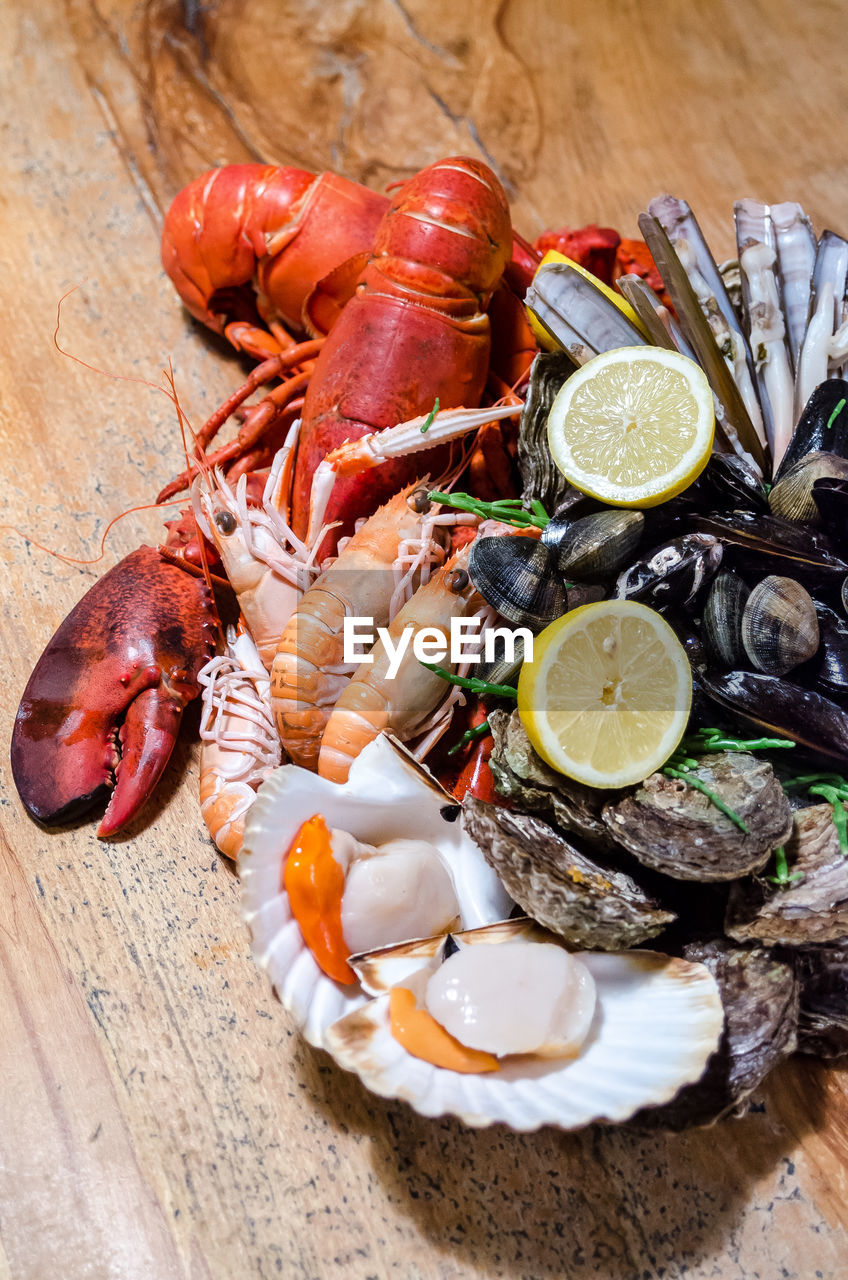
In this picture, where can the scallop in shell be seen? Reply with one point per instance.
(658, 1020)
(387, 796)
(780, 629)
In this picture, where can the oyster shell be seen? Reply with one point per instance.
(660, 1013)
(760, 997)
(387, 795)
(541, 477)
(823, 1019)
(810, 910)
(558, 885)
(676, 829)
(522, 775)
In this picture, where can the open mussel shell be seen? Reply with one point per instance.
(559, 885)
(518, 576)
(780, 629)
(813, 908)
(722, 619)
(387, 796)
(792, 497)
(595, 545)
(658, 1020)
(759, 992)
(782, 709)
(675, 828)
(671, 574)
(823, 425)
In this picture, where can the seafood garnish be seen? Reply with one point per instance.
(387, 796)
(585, 902)
(656, 1012)
(677, 829)
(813, 906)
(760, 998)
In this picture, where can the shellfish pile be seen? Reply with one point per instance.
(733, 858)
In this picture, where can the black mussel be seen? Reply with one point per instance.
(560, 886)
(828, 669)
(843, 594)
(679, 830)
(517, 576)
(541, 477)
(823, 1018)
(792, 497)
(781, 709)
(595, 545)
(813, 907)
(671, 574)
(728, 483)
(780, 629)
(831, 497)
(767, 544)
(722, 619)
(760, 997)
(822, 425)
(522, 776)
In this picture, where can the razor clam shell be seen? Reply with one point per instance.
(541, 478)
(796, 255)
(759, 993)
(685, 235)
(657, 319)
(520, 774)
(780, 629)
(733, 416)
(659, 1019)
(556, 884)
(676, 829)
(830, 279)
(823, 1019)
(778, 707)
(577, 315)
(811, 910)
(387, 795)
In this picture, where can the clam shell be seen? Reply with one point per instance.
(780, 629)
(657, 1022)
(518, 577)
(598, 544)
(387, 795)
(792, 497)
(722, 620)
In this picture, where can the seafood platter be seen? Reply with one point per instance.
(517, 605)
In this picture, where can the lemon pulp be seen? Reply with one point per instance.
(606, 698)
(634, 426)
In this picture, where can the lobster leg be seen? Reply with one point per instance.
(117, 674)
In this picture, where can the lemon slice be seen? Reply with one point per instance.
(607, 695)
(634, 426)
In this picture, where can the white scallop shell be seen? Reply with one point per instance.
(657, 1022)
(387, 795)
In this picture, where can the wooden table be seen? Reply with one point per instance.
(159, 1116)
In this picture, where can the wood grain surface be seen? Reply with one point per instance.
(159, 1117)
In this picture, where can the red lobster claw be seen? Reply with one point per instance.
(131, 649)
